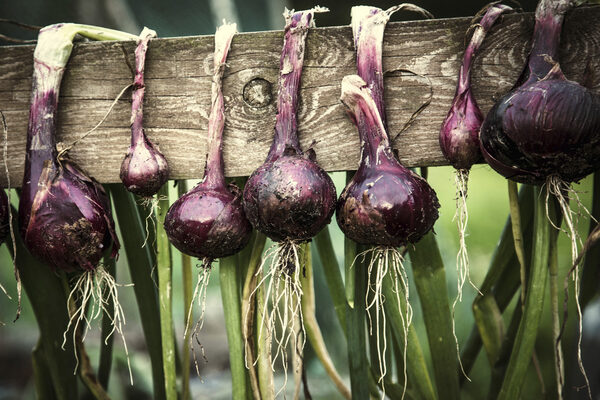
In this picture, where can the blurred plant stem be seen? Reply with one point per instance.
(313, 332)
(229, 272)
(188, 284)
(249, 319)
(107, 338)
(523, 347)
(165, 295)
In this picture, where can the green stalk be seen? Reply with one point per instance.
(249, 333)
(500, 280)
(230, 293)
(356, 279)
(534, 300)
(265, 372)
(44, 389)
(515, 219)
(188, 284)
(430, 278)
(311, 326)
(165, 295)
(141, 264)
(332, 273)
(590, 279)
(106, 341)
(416, 367)
(488, 319)
(559, 372)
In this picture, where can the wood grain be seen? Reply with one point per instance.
(178, 92)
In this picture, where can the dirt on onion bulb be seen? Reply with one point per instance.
(208, 222)
(64, 215)
(384, 205)
(144, 169)
(289, 198)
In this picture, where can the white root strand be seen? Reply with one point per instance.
(95, 289)
(284, 291)
(562, 191)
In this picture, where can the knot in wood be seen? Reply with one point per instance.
(257, 93)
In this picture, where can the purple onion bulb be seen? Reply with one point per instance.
(385, 203)
(547, 126)
(459, 136)
(290, 197)
(64, 216)
(209, 222)
(144, 169)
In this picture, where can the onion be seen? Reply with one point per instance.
(144, 169)
(208, 222)
(459, 141)
(384, 205)
(289, 198)
(65, 216)
(546, 130)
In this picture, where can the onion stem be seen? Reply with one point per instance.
(107, 339)
(559, 371)
(165, 294)
(311, 325)
(534, 300)
(430, 279)
(230, 293)
(186, 267)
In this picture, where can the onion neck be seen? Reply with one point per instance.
(549, 17)
(139, 88)
(374, 143)
(479, 34)
(290, 71)
(368, 26)
(41, 144)
(214, 174)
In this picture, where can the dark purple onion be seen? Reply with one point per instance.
(4, 210)
(290, 197)
(384, 203)
(64, 216)
(209, 222)
(547, 126)
(459, 136)
(144, 169)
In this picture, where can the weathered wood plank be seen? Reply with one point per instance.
(178, 92)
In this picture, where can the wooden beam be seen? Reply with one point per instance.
(178, 92)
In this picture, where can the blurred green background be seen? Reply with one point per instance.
(487, 202)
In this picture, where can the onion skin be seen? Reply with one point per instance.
(144, 169)
(547, 126)
(4, 210)
(64, 216)
(290, 197)
(385, 203)
(209, 222)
